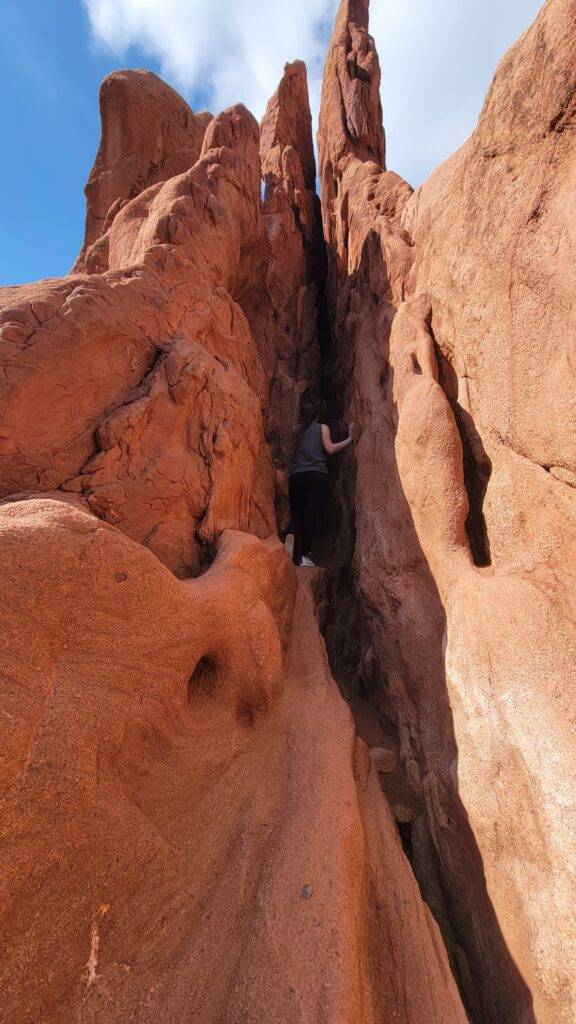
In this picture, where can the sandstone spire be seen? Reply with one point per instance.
(288, 121)
(350, 121)
(287, 325)
(149, 134)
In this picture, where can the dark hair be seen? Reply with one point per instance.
(308, 413)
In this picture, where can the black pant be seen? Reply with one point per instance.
(307, 496)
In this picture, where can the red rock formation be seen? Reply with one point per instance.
(504, 358)
(137, 384)
(288, 123)
(285, 320)
(188, 831)
(149, 134)
(474, 664)
(189, 825)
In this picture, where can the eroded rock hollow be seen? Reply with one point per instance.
(194, 825)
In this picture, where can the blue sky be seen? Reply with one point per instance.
(50, 128)
(437, 57)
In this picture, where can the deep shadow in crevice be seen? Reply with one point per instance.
(204, 679)
(385, 631)
(405, 833)
(477, 465)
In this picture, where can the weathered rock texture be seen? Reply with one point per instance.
(452, 314)
(189, 832)
(288, 336)
(190, 828)
(137, 384)
(149, 134)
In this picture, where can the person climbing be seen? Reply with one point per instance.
(309, 478)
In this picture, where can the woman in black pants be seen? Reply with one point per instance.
(309, 479)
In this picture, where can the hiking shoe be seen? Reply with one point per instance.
(307, 561)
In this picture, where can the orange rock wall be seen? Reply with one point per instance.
(137, 384)
(452, 337)
(189, 825)
(188, 828)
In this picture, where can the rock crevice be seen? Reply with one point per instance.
(193, 823)
(436, 352)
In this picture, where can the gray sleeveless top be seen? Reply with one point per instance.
(311, 454)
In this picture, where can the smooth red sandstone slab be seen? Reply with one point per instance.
(509, 346)
(186, 828)
(510, 663)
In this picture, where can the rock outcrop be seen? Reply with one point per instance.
(188, 830)
(452, 316)
(190, 826)
(149, 380)
(288, 330)
(504, 358)
(149, 134)
(188, 823)
(137, 384)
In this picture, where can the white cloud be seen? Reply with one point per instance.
(437, 57)
(226, 51)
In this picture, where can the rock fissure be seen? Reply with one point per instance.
(444, 512)
(261, 849)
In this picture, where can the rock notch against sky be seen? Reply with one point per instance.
(190, 825)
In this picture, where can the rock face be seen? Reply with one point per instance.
(149, 134)
(504, 360)
(148, 381)
(190, 827)
(189, 830)
(137, 384)
(182, 793)
(452, 316)
(287, 325)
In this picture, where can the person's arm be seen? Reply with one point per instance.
(330, 446)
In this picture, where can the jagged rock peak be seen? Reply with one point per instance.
(351, 111)
(233, 125)
(148, 134)
(357, 11)
(284, 321)
(288, 121)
